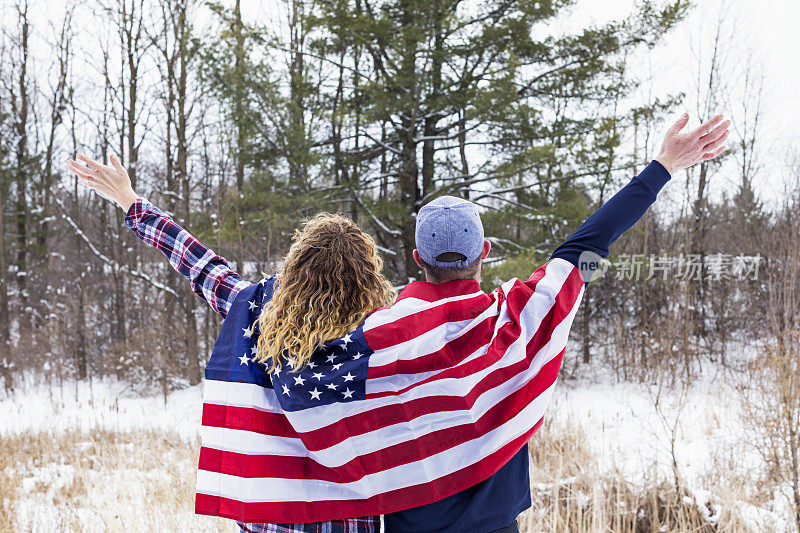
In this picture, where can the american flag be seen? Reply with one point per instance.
(425, 398)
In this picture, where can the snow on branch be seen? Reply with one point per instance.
(378, 222)
(107, 260)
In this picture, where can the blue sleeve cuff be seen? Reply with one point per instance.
(655, 176)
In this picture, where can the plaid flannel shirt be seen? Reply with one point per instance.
(209, 274)
(213, 280)
(364, 524)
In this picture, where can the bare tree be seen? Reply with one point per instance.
(172, 44)
(20, 103)
(773, 402)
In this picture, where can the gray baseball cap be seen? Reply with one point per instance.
(449, 224)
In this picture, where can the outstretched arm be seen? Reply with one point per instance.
(208, 274)
(615, 217)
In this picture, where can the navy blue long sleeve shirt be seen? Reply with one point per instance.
(616, 216)
(495, 502)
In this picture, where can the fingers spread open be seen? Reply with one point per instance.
(82, 171)
(715, 143)
(715, 134)
(91, 162)
(714, 153)
(706, 127)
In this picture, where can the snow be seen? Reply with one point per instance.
(106, 404)
(629, 427)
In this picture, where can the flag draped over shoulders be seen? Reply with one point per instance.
(425, 398)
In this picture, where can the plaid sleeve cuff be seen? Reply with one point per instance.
(135, 213)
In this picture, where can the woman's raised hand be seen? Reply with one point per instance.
(110, 181)
(682, 150)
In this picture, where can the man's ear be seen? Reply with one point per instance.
(417, 258)
(487, 247)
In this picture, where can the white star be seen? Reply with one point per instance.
(318, 376)
(286, 390)
(253, 305)
(337, 366)
(358, 355)
(331, 386)
(277, 370)
(253, 350)
(244, 360)
(248, 332)
(331, 358)
(348, 377)
(312, 364)
(263, 281)
(347, 339)
(315, 394)
(298, 380)
(348, 393)
(290, 363)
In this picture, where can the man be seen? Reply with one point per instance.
(446, 253)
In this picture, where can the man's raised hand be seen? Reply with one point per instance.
(682, 150)
(110, 181)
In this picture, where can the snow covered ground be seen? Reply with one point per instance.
(108, 405)
(111, 446)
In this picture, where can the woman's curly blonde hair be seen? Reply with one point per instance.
(330, 281)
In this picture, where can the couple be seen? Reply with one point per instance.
(330, 401)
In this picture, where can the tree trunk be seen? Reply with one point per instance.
(22, 206)
(191, 340)
(432, 103)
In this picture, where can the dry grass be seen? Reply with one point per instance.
(144, 481)
(569, 496)
(103, 481)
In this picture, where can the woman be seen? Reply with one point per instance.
(331, 280)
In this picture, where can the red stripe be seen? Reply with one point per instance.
(431, 292)
(248, 419)
(427, 445)
(414, 325)
(447, 356)
(564, 304)
(457, 349)
(388, 502)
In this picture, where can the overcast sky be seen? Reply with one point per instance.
(766, 30)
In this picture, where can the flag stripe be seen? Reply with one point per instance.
(396, 500)
(430, 467)
(411, 326)
(245, 465)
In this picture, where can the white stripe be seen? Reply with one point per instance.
(396, 382)
(248, 395)
(426, 470)
(407, 307)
